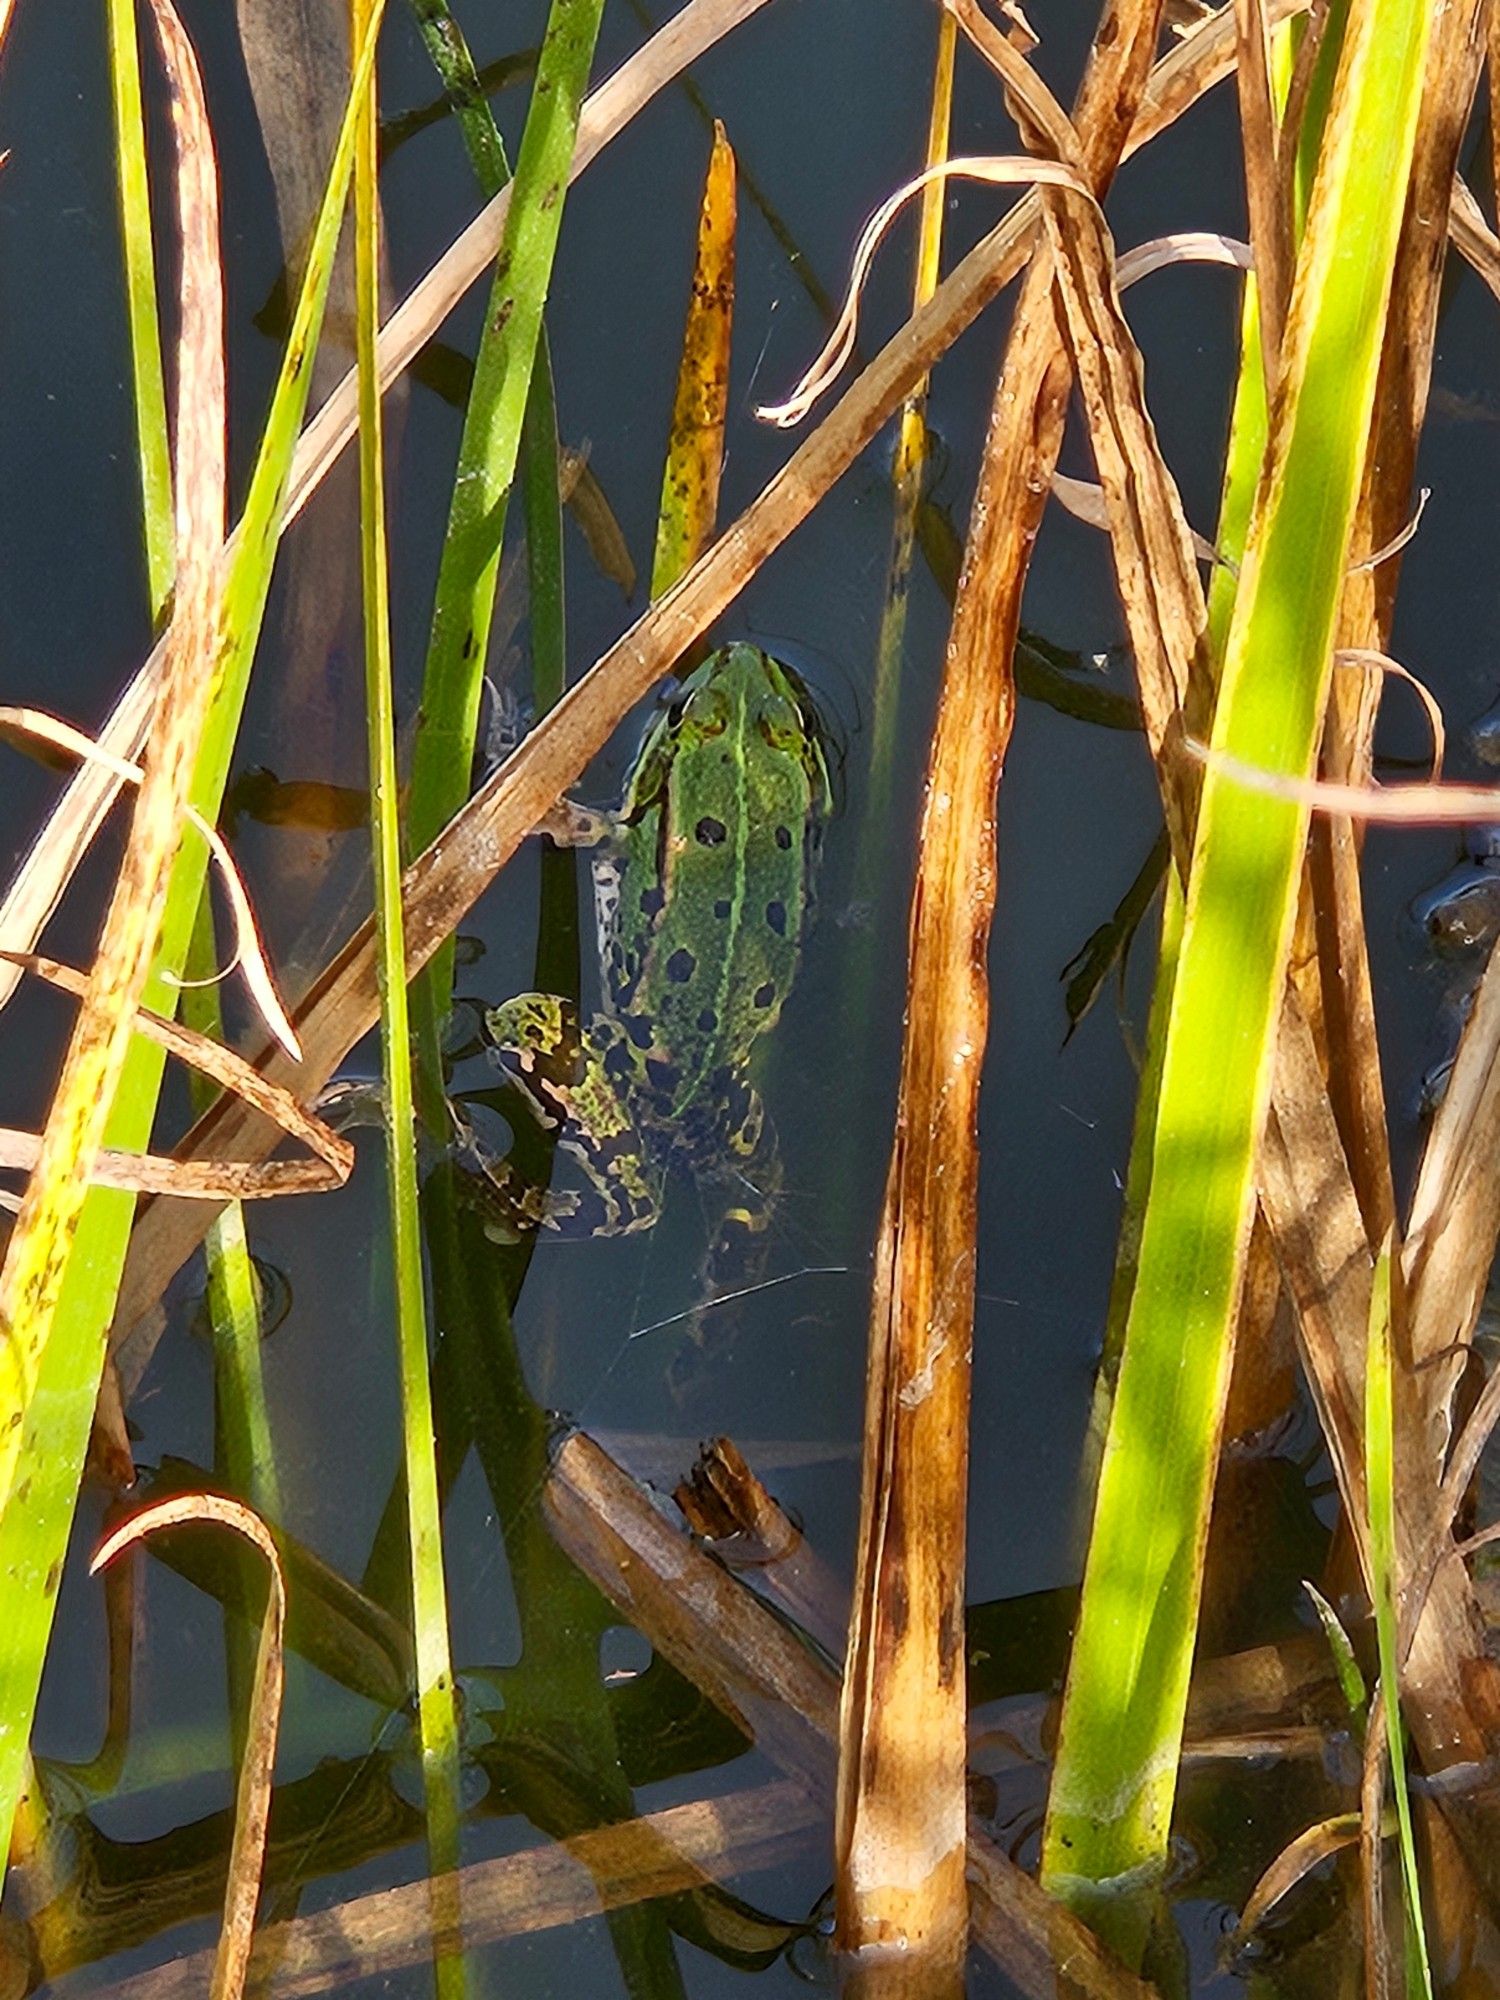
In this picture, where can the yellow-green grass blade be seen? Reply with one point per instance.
(140, 294)
(464, 97)
(437, 1713)
(469, 567)
(1380, 1476)
(55, 1424)
(242, 1423)
(1247, 444)
(1346, 1666)
(1110, 1808)
(244, 1450)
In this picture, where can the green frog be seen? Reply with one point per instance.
(702, 888)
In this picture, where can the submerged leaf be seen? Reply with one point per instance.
(695, 451)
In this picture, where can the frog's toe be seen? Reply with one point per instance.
(533, 1027)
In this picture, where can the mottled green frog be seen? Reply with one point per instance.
(702, 885)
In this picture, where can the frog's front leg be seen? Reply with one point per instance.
(568, 824)
(571, 1075)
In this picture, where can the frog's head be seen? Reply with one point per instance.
(742, 692)
(768, 701)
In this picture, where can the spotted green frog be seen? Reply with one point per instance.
(702, 884)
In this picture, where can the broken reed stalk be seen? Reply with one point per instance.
(752, 1666)
(899, 1839)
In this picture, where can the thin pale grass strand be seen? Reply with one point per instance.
(1001, 170)
(743, 1292)
(1397, 542)
(1394, 805)
(1366, 656)
(248, 950)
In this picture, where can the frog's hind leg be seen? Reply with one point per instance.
(572, 1076)
(739, 1247)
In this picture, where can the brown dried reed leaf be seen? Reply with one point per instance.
(1296, 1861)
(899, 1842)
(40, 1244)
(1473, 238)
(1155, 563)
(1323, 1250)
(1345, 996)
(199, 1180)
(1268, 191)
(1455, 1211)
(253, 1803)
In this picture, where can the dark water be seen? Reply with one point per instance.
(827, 106)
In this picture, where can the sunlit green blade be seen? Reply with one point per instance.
(140, 292)
(1110, 1807)
(437, 1710)
(443, 755)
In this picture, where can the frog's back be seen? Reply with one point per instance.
(713, 886)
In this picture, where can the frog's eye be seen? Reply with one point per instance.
(706, 712)
(779, 723)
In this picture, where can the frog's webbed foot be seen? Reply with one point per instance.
(511, 1205)
(567, 1072)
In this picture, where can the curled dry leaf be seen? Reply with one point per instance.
(1295, 1862)
(253, 1803)
(248, 950)
(998, 171)
(1382, 663)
